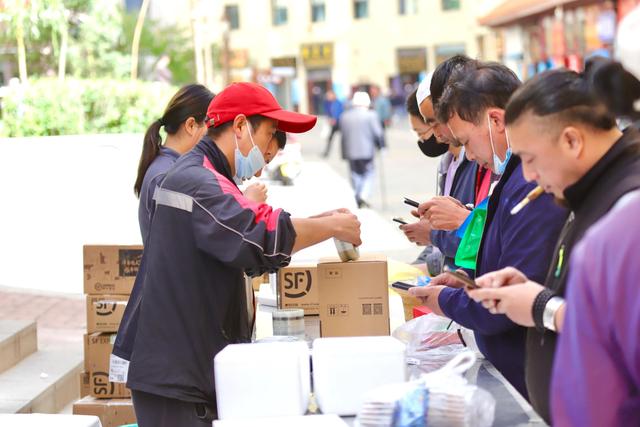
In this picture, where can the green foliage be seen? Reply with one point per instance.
(98, 46)
(159, 39)
(75, 106)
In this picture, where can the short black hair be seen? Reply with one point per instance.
(412, 105)
(443, 72)
(563, 93)
(281, 137)
(474, 88)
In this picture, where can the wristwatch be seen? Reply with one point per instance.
(549, 314)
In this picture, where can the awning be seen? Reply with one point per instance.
(514, 10)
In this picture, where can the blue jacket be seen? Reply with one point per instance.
(462, 189)
(204, 234)
(525, 241)
(156, 171)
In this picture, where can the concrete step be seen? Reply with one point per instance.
(18, 339)
(44, 382)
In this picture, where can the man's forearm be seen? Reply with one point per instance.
(311, 231)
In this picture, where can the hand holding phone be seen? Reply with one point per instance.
(469, 284)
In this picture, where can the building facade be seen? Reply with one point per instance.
(300, 49)
(537, 35)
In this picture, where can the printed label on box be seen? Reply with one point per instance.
(129, 261)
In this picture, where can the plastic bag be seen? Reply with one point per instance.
(472, 230)
(431, 341)
(426, 333)
(441, 398)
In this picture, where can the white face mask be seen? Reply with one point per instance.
(247, 166)
(499, 165)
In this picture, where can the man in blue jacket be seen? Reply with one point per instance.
(473, 106)
(456, 179)
(204, 235)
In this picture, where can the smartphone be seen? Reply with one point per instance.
(410, 202)
(400, 220)
(469, 283)
(402, 285)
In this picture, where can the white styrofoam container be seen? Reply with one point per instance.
(262, 380)
(345, 369)
(304, 421)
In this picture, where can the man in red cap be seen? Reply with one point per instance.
(204, 235)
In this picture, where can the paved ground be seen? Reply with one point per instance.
(60, 317)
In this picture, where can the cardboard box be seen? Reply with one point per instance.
(112, 412)
(97, 352)
(84, 384)
(104, 312)
(298, 287)
(257, 281)
(110, 270)
(354, 297)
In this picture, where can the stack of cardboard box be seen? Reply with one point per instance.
(339, 298)
(109, 275)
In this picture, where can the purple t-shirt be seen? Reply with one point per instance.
(596, 375)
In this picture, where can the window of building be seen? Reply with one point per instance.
(318, 11)
(233, 16)
(279, 12)
(446, 51)
(407, 7)
(450, 4)
(360, 9)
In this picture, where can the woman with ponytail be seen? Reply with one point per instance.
(184, 123)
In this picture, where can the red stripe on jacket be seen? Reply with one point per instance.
(262, 211)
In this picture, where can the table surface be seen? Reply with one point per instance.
(511, 408)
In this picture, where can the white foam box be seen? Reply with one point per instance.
(262, 380)
(302, 421)
(345, 369)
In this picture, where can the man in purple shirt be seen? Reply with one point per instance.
(596, 375)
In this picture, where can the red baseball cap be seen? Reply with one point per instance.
(250, 99)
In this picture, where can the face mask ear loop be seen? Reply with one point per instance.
(491, 137)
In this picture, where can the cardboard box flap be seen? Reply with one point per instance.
(366, 257)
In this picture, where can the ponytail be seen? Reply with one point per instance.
(190, 101)
(150, 150)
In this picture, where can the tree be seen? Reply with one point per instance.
(17, 15)
(136, 39)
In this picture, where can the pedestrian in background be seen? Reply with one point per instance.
(382, 107)
(333, 107)
(361, 133)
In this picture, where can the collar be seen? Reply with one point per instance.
(216, 157)
(169, 152)
(576, 193)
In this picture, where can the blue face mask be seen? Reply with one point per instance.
(247, 166)
(499, 165)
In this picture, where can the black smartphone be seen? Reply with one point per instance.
(469, 283)
(402, 285)
(400, 220)
(410, 202)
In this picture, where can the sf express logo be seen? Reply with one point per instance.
(297, 284)
(105, 308)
